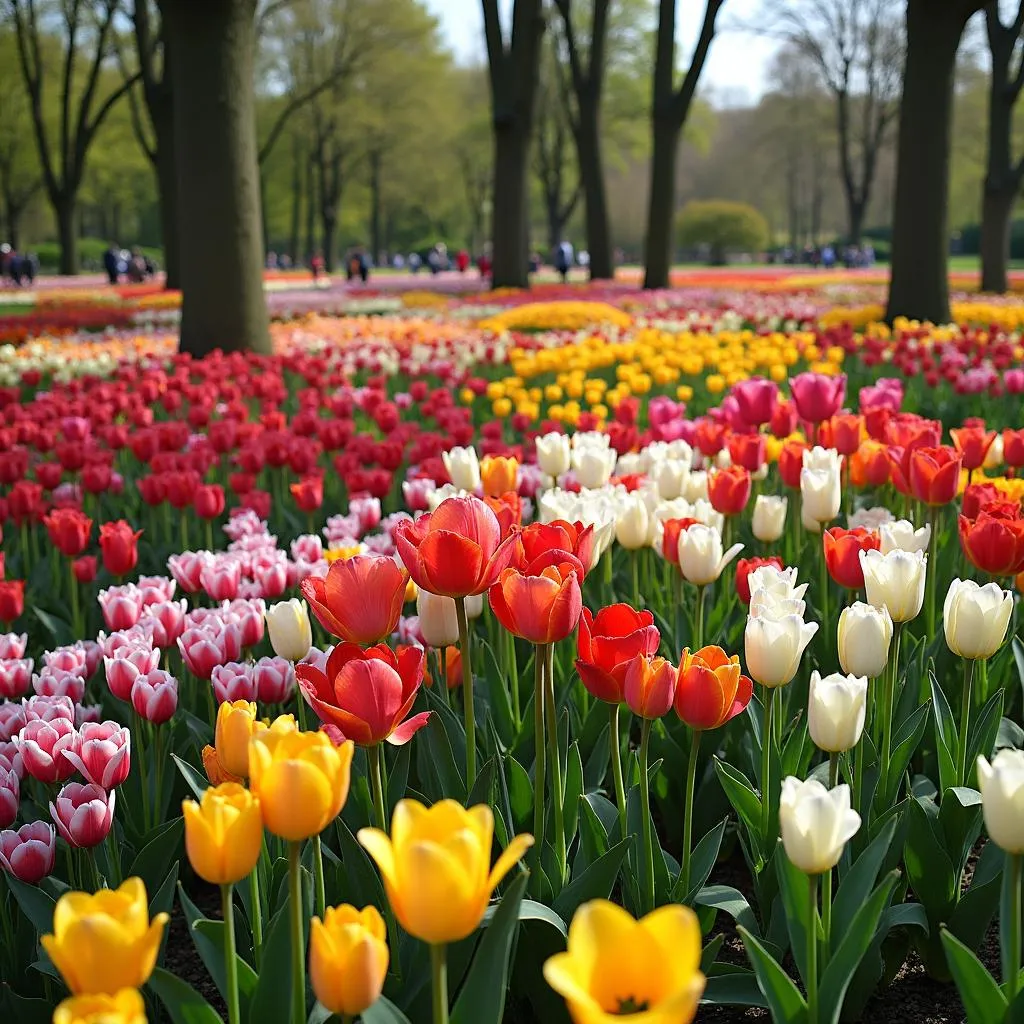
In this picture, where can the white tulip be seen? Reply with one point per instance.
(590, 439)
(769, 520)
(836, 708)
(808, 522)
(291, 634)
(1002, 798)
(773, 647)
(865, 633)
(815, 823)
(994, 455)
(438, 622)
(895, 581)
(630, 463)
(593, 465)
(777, 582)
(633, 525)
(701, 559)
(821, 493)
(975, 618)
(723, 460)
(870, 518)
(696, 487)
(822, 460)
(553, 453)
(439, 494)
(463, 467)
(670, 477)
(901, 536)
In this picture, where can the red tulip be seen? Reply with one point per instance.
(710, 689)
(842, 554)
(791, 462)
(69, 530)
(83, 814)
(85, 568)
(729, 490)
(783, 421)
(308, 493)
(994, 542)
(973, 444)
(935, 474)
(744, 567)
(456, 550)
(817, 396)
(120, 546)
(360, 600)
(12, 600)
(845, 429)
(607, 642)
(29, 852)
(869, 465)
(710, 437)
(209, 501)
(541, 608)
(747, 450)
(543, 544)
(1013, 448)
(508, 507)
(977, 496)
(367, 695)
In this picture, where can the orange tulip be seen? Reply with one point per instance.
(508, 507)
(973, 444)
(540, 608)
(935, 474)
(498, 474)
(649, 686)
(869, 465)
(729, 490)
(360, 600)
(710, 689)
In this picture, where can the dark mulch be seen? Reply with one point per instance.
(181, 957)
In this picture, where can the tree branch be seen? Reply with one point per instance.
(684, 96)
(295, 104)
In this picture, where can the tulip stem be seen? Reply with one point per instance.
(1012, 959)
(377, 784)
(889, 700)
(540, 756)
(698, 632)
(615, 750)
(691, 784)
(467, 692)
(634, 558)
(645, 819)
(825, 630)
(298, 943)
(766, 741)
(965, 722)
(76, 623)
(513, 679)
(209, 534)
(318, 877)
(812, 952)
(933, 549)
(439, 970)
(230, 959)
(256, 922)
(833, 770)
(551, 714)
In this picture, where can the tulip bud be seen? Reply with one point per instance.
(901, 536)
(865, 633)
(553, 453)
(669, 475)
(438, 622)
(835, 711)
(83, 814)
(155, 696)
(815, 823)
(701, 559)
(975, 618)
(236, 724)
(820, 494)
(895, 581)
(348, 959)
(1002, 798)
(633, 523)
(463, 468)
(104, 755)
(593, 465)
(769, 518)
(223, 833)
(28, 853)
(773, 646)
(124, 1007)
(649, 686)
(10, 795)
(273, 679)
(288, 624)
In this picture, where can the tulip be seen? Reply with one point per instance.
(815, 823)
(748, 451)
(233, 682)
(348, 959)
(633, 524)
(901, 536)
(105, 942)
(616, 967)
(869, 465)
(15, 677)
(935, 474)
(1002, 798)
(274, 680)
(895, 582)
(187, 568)
(203, 648)
(85, 568)
(710, 690)
(816, 396)
(842, 554)
(835, 711)
(994, 542)
(236, 725)
(120, 547)
(729, 490)
(46, 748)
(155, 696)
(29, 852)
(865, 633)
(436, 866)
(367, 695)
(437, 618)
(669, 476)
(10, 795)
(608, 642)
(291, 635)
(223, 833)
(790, 462)
(103, 754)
(301, 780)
(553, 454)
(757, 399)
(649, 685)
(124, 1007)
(973, 444)
(456, 550)
(845, 430)
(769, 519)
(209, 501)
(121, 606)
(125, 667)
(220, 578)
(774, 646)
(498, 474)
(167, 619)
(593, 465)
(83, 814)
(543, 608)
(13, 720)
(555, 542)
(820, 494)
(975, 618)
(463, 468)
(12, 646)
(12, 600)
(746, 566)
(69, 530)
(701, 558)
(308, 493)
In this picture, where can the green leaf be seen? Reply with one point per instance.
(981, 736)
(928, 866)
(858, 882)
(163, 846)
(905, 915)
(398, 778)
(733, 903)
(737, 988)
(197, 782)
(595, 883)
(482, 999)
(983, 1000)
(383, 1012)
(35, 904)
(26, 1011)
(520, 793)
(57, 628)
(796, 900)
(435, 754)
(904, 743)
(593, 834)
(785, 1003)
(184, 1004)
(851, 949)
(162, 902)
(744, 800)
(530, 910)
(960, 820)
(573, 792)
(214, 933)
(271, 1001)
(702, 861)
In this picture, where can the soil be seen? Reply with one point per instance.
(181, 957)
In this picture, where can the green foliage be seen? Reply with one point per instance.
(723, 226)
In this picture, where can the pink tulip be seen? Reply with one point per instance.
(220, 578)
(167, 620)
(104, 755)
(416, 492)
(28, 853)
(756, 399)
(233, 681)
(156, 589)
(87, 713)
(271, 578)
(368, 511)
(307, 548)
(817, 397)
(10, 758)
(15, 679)
(46, 749)
(204, 647)
(121, 606)
(126, 666)
(885, 393)
(187, 569)
(46, 709)
(141, 633)
(83, 814)
(10, 796)
(12, 721)
(66, 659)
(274, 679)
(55, 683)
(155, 696)
(12, 645)
(93, 656)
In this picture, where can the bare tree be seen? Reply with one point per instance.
(1003, 175)
(857, 47)
(84, 29)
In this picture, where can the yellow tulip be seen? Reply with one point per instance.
(236, 723)
(105, 942)
(616, 966)
(223, 833)
(437, 866)
(301, 780)
(348, 958)
(125, 1007)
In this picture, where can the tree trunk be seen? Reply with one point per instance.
(375, 213)
(854, 219)
(310, 209)
(920, 235)
(212, 48)
(595, 193)
(996, 215)
(328, 223)
(661, 204)
(161, 114)
(296, 212)
(13, 216)
(511, 223)
(65, 209)
(1001, 182)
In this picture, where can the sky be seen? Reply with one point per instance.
(737, 66)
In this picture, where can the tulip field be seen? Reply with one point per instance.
(577, 655)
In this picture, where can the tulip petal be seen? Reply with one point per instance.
(378, 846)
(510, 856)
(452, 564)
(405, 732)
